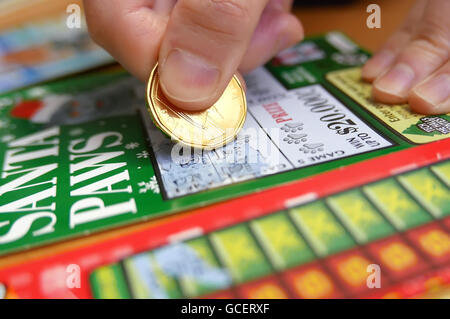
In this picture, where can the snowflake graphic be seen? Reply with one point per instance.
(7, 138)
(76, 131)
(152, 185)
(131, 146)
(143, 154)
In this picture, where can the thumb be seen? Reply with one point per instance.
(204, 44)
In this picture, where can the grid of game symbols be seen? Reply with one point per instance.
(321, 249)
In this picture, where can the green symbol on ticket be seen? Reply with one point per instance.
(321, 228)
(430, 125)
(108, 282)
(428, 190)
(281, 241)
(239, 251)
(443, 171)
(361, 218)
(396, 204)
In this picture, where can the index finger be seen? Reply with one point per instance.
(131, 31)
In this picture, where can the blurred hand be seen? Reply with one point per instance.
(414, 66)
(199, 44)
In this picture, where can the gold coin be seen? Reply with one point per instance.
(210, 128)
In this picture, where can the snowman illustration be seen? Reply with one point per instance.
(119, 98)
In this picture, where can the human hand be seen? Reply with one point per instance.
(200, 44)
(414, 66)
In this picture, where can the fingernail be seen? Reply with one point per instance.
(398, 81)
(188, 78)
(377, 64)
(436, 90)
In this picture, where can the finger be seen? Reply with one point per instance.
(285, 5)
(203, 47)
(131, 31)
(428, 49)
(432, 96)
(276, 31)
(164, 7)
(384, 58)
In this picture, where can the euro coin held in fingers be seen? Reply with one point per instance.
(208, 129)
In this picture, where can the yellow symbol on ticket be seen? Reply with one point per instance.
(321, 226)
(314, 284)
(359, 212)
(354, 270)
(433, 194)
(268, 291)
(398, 256)
(233, 245)
(281, 235)
(210, 128)
(431, 191)
(415, 127)
(108, 283)
(436, 242)
(443, 171)
(395, 200)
